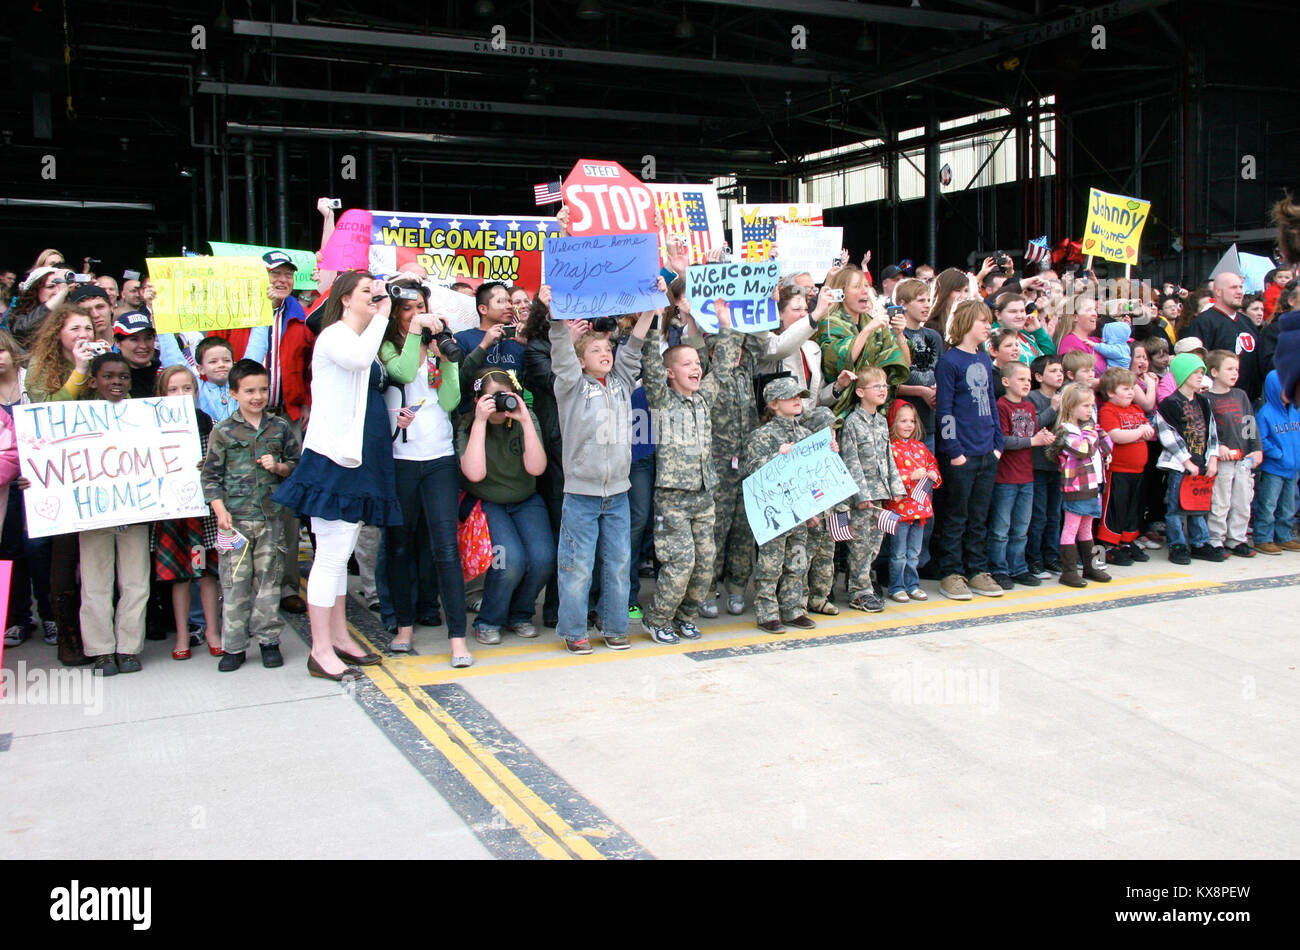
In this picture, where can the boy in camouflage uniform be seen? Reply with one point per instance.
(735, 416)
(249, 454)
(780, 595)
(680, 397)
(864, 447)
(820, 546)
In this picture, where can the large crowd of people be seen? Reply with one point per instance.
(1003, 428)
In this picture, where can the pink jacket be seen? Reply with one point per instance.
(1082, 461)
(8, 460)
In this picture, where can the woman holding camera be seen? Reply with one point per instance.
(39, 295)
(501, 455)
(856, 333)
(424, 455)
(346, 475)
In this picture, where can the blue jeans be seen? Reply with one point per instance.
(1044, 543)
(903, 556)
(640, 503)
(1198, 528)
(594, 530)
(1013, 506)
(427, 491)
(1274, 508)
(960, 544)
(523, 557)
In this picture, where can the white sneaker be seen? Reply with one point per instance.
(709, 609)
(525, 630)
(51, 632)
(14, 636)
(735, 604)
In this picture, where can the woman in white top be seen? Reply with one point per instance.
(424, 450)
(346, 473)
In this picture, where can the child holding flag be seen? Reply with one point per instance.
(919, 471)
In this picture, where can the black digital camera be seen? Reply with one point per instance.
(505, 402)
(604, 324)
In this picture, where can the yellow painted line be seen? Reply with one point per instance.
(429, 670)
(548, 645)
(452, 730)
(460, 760)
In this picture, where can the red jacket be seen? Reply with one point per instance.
(910, 455)
(294, 347)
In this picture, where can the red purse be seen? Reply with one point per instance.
(475, 543)
(1195, 492)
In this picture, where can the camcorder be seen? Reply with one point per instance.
(505, 402)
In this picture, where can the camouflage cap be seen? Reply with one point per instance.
(783, 387)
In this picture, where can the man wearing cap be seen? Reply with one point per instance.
(1222, 326)
(93, 302)
(135, 341)
(284, 348)
(889, 278)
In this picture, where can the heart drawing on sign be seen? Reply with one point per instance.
(1134, 205)
(184, 492)
(48, 508)
(1089, 243)
(1130, 250)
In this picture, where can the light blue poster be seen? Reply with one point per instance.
(792, 488)
(746, 286)
(603, 276)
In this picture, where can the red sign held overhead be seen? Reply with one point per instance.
(605, 198)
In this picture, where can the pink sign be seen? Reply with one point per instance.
(349, 246)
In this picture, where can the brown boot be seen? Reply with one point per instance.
(1070, 567)
(1085, 561)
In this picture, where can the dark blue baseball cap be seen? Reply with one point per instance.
(274, 259)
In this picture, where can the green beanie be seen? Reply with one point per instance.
(1184, 365)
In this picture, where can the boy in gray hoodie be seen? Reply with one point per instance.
(593, 396)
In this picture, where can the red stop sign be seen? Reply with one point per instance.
(605, 198)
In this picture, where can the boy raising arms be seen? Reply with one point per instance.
(249, 454)
(682, 397)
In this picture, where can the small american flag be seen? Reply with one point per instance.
(408, 412)
(230, 540)
(817, 494)
(838, 523)
(887, 521)
(921, 490)
(547, 193)
(1037, 250)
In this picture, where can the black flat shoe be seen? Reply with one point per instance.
(315, 669)
(367, 659)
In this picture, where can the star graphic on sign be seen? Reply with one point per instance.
(394, 221)
(484, 224)
(424, 223)
(541, 226)
(454, 224)
(513, 226)
(377, 237)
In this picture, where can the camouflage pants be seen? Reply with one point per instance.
(732, 540)
(779, 577)
(863, 549)
(821, 562)
(250, 586)
(684, 547)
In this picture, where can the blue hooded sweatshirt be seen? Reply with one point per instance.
(1279, 430)
(1114, 344)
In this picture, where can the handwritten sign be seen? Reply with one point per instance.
(209, 293)
(348, 247)
(747, 288)
(807, 249)
(603, 275)
(461, 248)
(792, 488)
(691, 214)
(753, 227)
(304, 260)
(455, 308)
(99, 464)
(1113, 230)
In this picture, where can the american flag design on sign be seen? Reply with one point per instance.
(691, 214)
(887, 521)
(754, 226)
(1037, 251)
(921, 490)
(838, 524)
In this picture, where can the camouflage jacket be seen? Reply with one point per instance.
(231, 472)
(683, 424)
(735, 411)
(765, 444)
(864, 447)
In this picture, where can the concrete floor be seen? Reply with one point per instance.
(1152, 730)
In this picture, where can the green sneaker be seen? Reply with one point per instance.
(633, 611)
